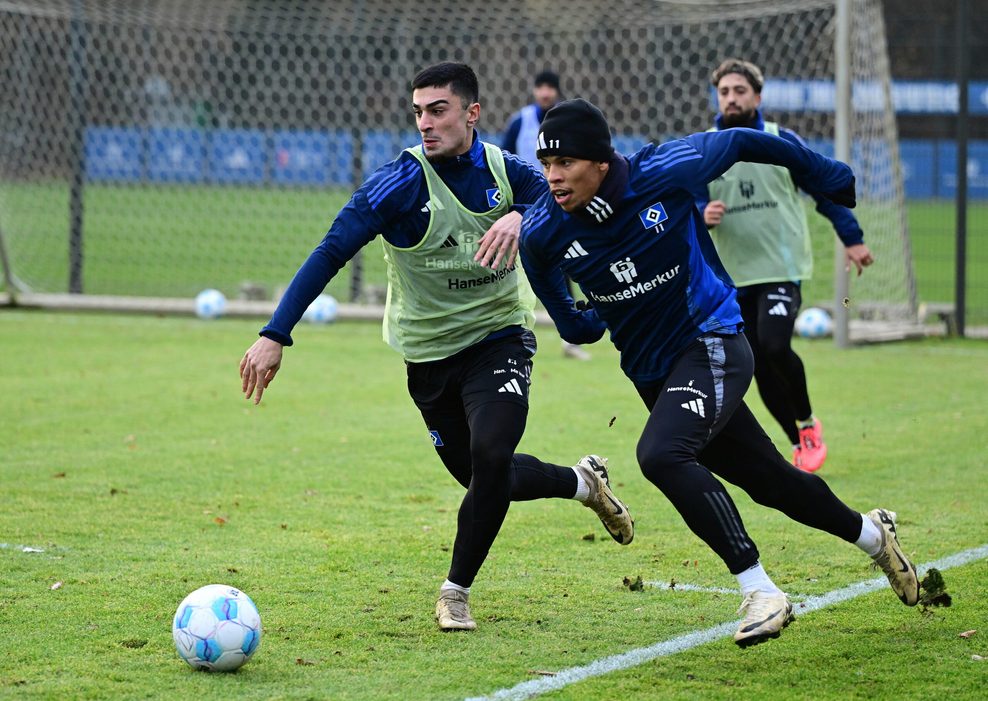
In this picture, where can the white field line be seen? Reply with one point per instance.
(687, 641)
(22, 548)
(681, 586)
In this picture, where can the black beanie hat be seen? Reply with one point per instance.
(547, 78)
(577, 129)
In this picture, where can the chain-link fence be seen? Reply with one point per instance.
(157, 147)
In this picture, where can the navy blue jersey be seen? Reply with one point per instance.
(844, 222)
(649, 268)
(394, 202)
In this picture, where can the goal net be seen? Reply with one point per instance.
(153, 148)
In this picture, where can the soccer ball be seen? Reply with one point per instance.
(210, 304)
(323, 310)
(216, 628)
(814, 322)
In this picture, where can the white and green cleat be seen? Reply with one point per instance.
(613, 513)
(765, 615)
(892, 561)
(453, 612)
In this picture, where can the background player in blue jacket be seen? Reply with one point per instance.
(759, 227)
(522, 128)
(628, 232)
(519, 138)
(463, 330)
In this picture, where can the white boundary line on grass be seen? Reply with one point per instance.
(633, 658)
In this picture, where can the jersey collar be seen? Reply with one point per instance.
(472, 158)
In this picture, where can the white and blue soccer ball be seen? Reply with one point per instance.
(216, 628)
(210, 304)
(814, 322)
(323, 310)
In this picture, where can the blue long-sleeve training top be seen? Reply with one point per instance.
(393, 202)
(844, 222)
(646, 261)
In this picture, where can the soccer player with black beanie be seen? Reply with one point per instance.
(464, 330)
(628, 232)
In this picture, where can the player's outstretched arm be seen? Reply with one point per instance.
(700, 158)
(258, 367)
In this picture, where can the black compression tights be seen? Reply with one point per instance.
(485, 463)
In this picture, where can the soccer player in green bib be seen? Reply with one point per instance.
(463, 329)
(758, 225)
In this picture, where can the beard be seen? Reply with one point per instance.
(738, 119)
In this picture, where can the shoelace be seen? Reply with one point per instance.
(757, 608)
(457, 609)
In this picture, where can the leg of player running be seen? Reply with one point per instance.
(687, 412)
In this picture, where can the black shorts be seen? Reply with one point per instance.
(769, 308)
(491, 371)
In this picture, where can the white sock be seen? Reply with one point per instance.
(870, 539)
(756, 579)
(582, 488)
(455, 587)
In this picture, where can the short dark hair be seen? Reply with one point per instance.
(460, 78)
(749, 70)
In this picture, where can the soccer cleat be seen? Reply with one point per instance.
(892, 561)
(453, 612)
(765, 615)
(812, 450)
(612, 511)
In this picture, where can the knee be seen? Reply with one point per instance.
(657, 459)
(774, 347)
(491, 460)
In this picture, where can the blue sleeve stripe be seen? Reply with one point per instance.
(376, 200)
(664, 157)
(375, 195)
(390, 177)
(687, 157)
(536, 217)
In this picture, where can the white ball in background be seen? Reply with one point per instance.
(814, 322)
(323, 310)
(210, 304)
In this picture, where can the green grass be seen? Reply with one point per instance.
(173, 241)
(932, 238)
(123, 440)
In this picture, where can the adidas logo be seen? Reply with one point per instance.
(779, 309)
(696, 406)
(432, 206)
(450, 242)
(512, 386)
(576, 251)
(599, 209)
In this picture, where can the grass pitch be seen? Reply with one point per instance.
(129, 458)
(173, 241)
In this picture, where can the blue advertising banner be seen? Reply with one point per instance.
(237, 156)
(908, 96)
(919, 168)
(176, 155)
(312, 158)
(114, 153)
(380, 147)
(977, 169)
